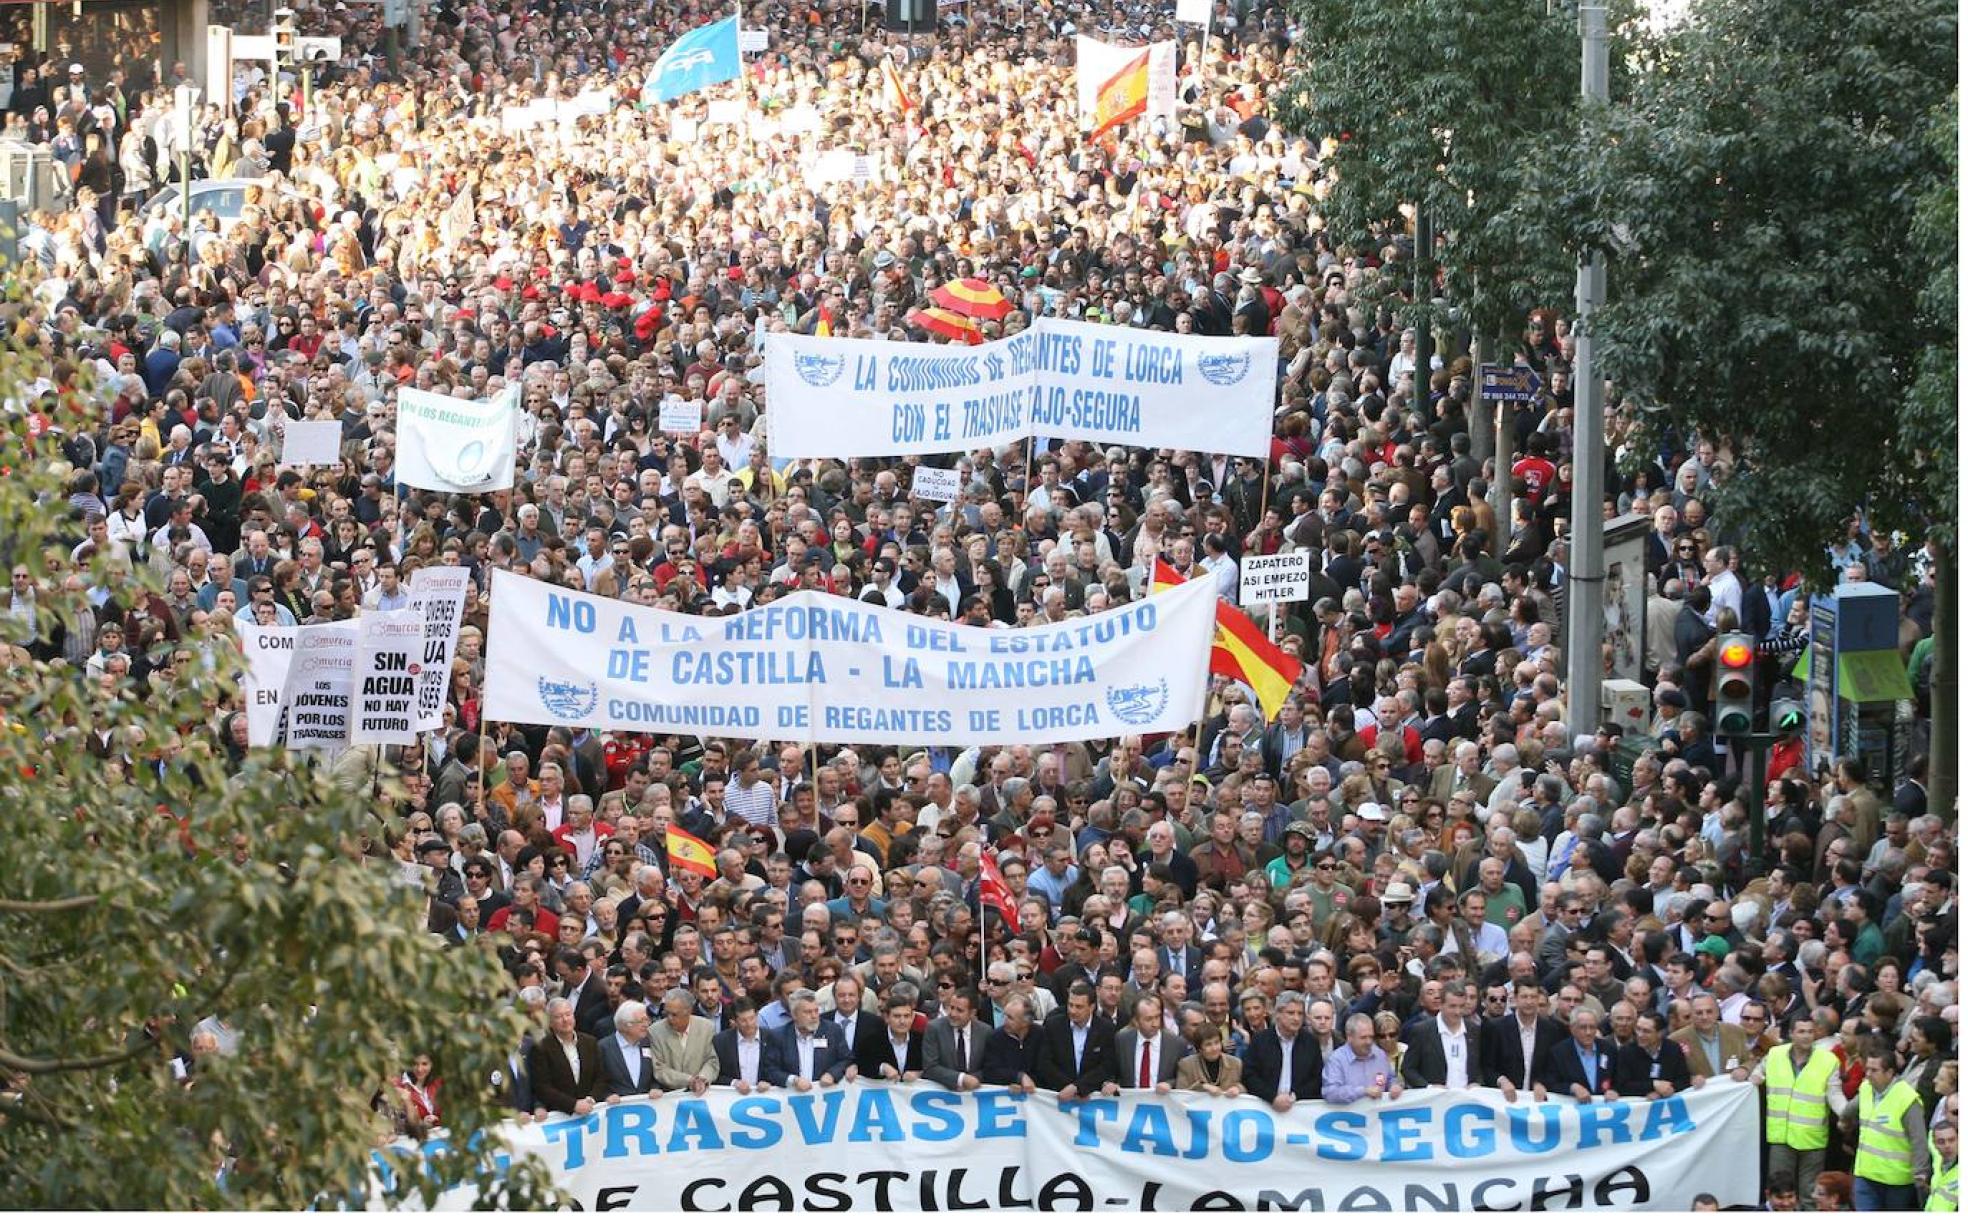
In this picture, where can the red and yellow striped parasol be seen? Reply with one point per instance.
(945, 323)
(974, 298)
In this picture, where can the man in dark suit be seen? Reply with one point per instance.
(1582, 1065)
(896, 1052)
(807, 1051)
(1445, 1050)
(1653, 1065)
(1011, 1054)
(740, 1049)
(565, 1066)
(1502, 1044)
(855, 1023)
(1178, 955)
(1285, 738)
(626, 1069)
(1282, 1064)
(1147, 1050)
(588, 991)
(953, 1045)
(1076, 1053)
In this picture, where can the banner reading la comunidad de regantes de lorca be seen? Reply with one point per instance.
(874, 1146)
(828, 669)
(840, 398)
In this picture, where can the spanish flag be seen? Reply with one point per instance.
(1122, 98)
(1241, 651)
(893, 92)
(686, 852)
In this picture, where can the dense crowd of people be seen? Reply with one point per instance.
(1414, 876)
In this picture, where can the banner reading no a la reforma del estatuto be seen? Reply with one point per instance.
(828, 669)
(874, 1146)
(839, 398)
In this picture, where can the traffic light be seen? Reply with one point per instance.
(1735, 684)
(283, 38)
(1786, 716)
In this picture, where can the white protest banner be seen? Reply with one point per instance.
(680, 417)
(455, 445)
(840, 398)
(1098, 61)
(833, 165)
(316, 698)
(936, 485)
(311, 443)
(725, 111)
(1194, 12)
(269, 651)
(827, 669)
(437, 595)
(388, 652)
(1281, 578)
(880, 1147)
(751, 42)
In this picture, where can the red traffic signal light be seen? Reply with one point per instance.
(1735, 683)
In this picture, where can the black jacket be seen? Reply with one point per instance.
(1427, 1060)
(1264, 1065)
(1503, 1048)
(1096, 1066)
(1634, 1071)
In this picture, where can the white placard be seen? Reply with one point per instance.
(680, 417)
(936, 485)
(751, 42)
(1282, 578)
(269, 652)
(821, 668)
(1195, 12)
(317, 694)
(388, 653)
(726, 111)
(683, 130)
(840, 398)
(311, 443)
(437, 595)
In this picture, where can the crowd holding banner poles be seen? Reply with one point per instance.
(632, 338)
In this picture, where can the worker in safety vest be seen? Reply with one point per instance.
(1892, 1155)
(1945, 1193)
(1802, 1095)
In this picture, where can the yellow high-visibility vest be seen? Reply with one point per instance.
(1798, 1101)
(1885, 1153)
(1946, 1193)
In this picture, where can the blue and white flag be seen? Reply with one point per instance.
(705, 56)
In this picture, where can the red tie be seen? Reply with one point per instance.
(1147, 1082)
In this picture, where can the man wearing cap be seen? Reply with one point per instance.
(1297, 857)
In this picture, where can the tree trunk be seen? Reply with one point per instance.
(1943, 697)
(1482, 414)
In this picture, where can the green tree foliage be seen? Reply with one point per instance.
(116, 937)
(1441, 104)
(1776, 204)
